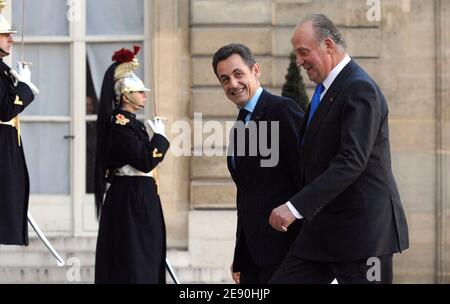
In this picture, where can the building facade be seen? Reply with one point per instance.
(403, 44)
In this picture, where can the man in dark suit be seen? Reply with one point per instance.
(354, 220)
(263, 180)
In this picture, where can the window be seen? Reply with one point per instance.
(69, 60)
(46, 123)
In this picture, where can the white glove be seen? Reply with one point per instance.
(157, 126)
(24, 72)
(24, 75)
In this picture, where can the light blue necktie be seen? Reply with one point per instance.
(315, 101)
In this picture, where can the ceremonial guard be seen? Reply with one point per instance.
(16, 93)
(131, 245)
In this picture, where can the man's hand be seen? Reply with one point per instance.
(281, 218)
(235, 275)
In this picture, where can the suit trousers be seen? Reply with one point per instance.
(294, 270)
(253, 274)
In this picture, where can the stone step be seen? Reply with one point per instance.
(24, 258)
(61, 244)
(178, 258)
(44, 259)
(46, 275)
(35, 264)
(199, 275)
(85, 275)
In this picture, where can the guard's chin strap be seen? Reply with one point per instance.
(133, 101)
(3, 53)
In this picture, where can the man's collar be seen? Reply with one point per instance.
(251, 104)
(335, 72)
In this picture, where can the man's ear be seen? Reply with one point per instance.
(257, 69)
(125, 98)
(329, 45)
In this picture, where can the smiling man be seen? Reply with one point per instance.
(348, 199)
(259, 248)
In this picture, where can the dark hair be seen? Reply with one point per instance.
(234, 48)
(325, 28)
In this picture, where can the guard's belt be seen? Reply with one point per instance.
(130, 171)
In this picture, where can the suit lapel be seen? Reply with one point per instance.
(230, 168)
(229, 156)
(260, 106)
(310, 132)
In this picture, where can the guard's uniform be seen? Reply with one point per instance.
(131, 246)
(14, 181)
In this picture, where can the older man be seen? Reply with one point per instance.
(354, 220)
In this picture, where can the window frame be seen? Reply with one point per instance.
(78, 205)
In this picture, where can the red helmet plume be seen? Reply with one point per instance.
(126, 55)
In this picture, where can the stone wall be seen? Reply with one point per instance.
(406, 52)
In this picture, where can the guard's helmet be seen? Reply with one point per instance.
(5, 27)
(126, 81)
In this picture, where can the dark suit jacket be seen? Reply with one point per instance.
(348, 195)
(261, 189)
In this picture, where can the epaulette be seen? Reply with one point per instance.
(121, 120)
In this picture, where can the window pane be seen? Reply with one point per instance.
(42, 18)
(51, 74)
(115, 17)
(47, 155)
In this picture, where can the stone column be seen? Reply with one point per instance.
(443, 138)
(171, 65)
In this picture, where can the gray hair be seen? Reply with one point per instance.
(325, 28)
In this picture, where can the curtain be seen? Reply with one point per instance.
(42, 17)
(50, 72)
(46, 149)
(47, 154)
